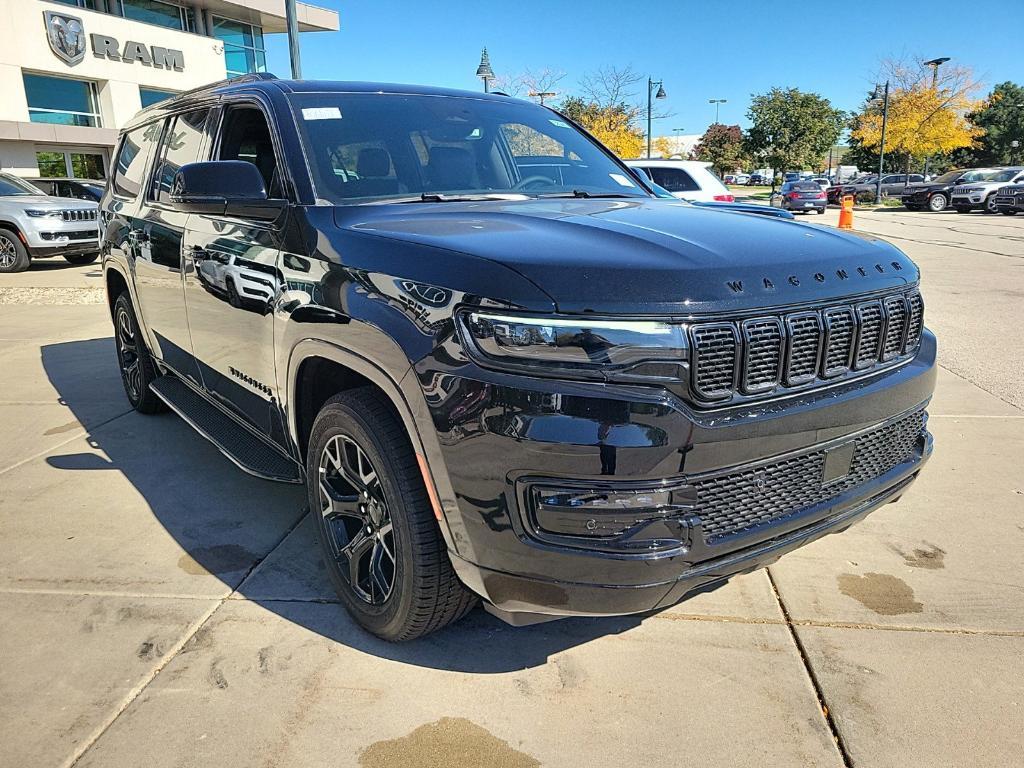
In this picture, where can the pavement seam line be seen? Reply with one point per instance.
(823, 706)
(78, 436)
(975, 384)
(175, 650)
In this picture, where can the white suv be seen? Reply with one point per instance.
(35, 225)
(685, 179)
(982, 193)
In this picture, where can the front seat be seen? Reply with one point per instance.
(374, 167)
(451, 168)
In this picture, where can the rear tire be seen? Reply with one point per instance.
(990, 204)
(137, 366)
(81, 258)
(13, 256)
(378, 535)
(937, 202)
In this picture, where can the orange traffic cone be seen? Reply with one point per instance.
(846, 212)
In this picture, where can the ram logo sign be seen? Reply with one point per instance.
(66, 35)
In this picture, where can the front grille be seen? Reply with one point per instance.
(78, 214)
(734, 502)
(760, 356)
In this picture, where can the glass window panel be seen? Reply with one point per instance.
(59, 93)
(232, 32)
(150, 96)
(130, 167)
(236, 59)
(181, 146)
(87, 166)
(88, 4)
(51, 164)
(152, 12)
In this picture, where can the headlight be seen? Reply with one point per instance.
(595, 348)
(37, 214)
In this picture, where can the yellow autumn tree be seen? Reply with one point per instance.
(612, 125)
(922, 121)
(663, 147)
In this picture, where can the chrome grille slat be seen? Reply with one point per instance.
(733, 502)
(78, 214)
(762, 355)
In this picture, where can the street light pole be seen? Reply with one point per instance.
(717, 103)
(484, 71)
(934, 64)
(292, 23)
(541, 95)
(881, 148)
(659, 95)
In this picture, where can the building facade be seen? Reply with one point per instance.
(72, 72)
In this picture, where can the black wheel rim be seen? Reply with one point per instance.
(8, 255)
(357, 521)
(128, 355)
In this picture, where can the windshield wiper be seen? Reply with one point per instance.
(584, 193)
(435, 197)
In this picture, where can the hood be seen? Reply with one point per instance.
(49, 201)
(647, 256)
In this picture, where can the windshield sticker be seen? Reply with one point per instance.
(620, 179)
(321, 113)
(559, 123)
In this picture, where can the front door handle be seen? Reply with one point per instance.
(138, 236)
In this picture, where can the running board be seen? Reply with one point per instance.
(242, 446)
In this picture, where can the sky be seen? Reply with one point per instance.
(701, 50)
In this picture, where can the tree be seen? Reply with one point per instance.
(1001, 117)
(922, 121)
(530, 81)
(792, 129)
(722, 146)
(612, 125)
(663, 147)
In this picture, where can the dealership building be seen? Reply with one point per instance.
(72, 72)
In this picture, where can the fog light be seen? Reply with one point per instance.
(613, 513)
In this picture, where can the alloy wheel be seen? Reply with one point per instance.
(357, 520)
(937, 202)
(128, 355)
(7, 253)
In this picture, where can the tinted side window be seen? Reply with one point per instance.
(674, 179)
(246, 136)
(181, 145)
(130, 166)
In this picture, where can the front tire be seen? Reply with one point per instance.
(990, 204)
(937, 202)
(13, 256)
(378, 535)
(137, 366)
(81, 258)
(1008, 213)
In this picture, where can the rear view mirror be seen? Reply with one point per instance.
(223, 187)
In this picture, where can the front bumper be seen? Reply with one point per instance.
(497, 431)
(49, 236)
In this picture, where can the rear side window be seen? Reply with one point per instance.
(674, 179)
(130, 166)
(181, 145)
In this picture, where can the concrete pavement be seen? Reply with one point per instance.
(158, 607)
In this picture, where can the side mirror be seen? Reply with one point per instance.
(223, 188)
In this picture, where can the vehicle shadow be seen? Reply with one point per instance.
(251, 534)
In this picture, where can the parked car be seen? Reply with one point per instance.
(935, 194)
(1009, 200)
(741, 179)
(685, 179)
(893, 185)
(758, 180)
(81, 189)
(755, 208)
(34, 225)
(822, 181)
(560, 397)
(729, 178)
(801, 196)
(968, 196)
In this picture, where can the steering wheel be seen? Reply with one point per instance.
(531, 180)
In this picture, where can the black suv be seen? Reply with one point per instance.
(502, 367)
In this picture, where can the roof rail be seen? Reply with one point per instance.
(252, 77)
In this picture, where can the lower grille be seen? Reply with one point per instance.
(731, 503)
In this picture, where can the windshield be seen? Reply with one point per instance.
(983, 174)
(1004, 175)
(12, 185)
(368, 147)
(96, 189)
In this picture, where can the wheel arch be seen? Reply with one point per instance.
(317, 370)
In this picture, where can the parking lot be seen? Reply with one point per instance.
(158, 607)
